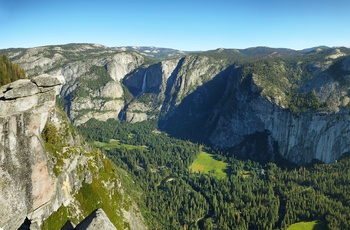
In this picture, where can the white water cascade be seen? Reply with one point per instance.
(143, 89)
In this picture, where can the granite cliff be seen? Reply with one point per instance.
(26, 182)
(247, 116)
(44, 177)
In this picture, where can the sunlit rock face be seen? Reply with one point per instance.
(24, 172)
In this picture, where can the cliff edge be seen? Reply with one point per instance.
(26, 184)
(48, 173)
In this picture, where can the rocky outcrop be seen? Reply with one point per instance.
(91, 95)
(24, 171)
(122, 64)
(39, 178)
(81, 172)
(96, 221)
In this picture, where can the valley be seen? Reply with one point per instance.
(232, 194)
(158, 138)
(296, 101)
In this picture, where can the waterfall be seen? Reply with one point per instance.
(144, 83)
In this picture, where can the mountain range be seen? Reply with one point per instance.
(229, 98)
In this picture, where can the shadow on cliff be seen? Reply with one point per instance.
(193, 118)
(260, 147)
(197, 115)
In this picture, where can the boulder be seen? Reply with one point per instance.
(18, 89)
(46, 80)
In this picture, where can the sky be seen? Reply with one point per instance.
(188, 25)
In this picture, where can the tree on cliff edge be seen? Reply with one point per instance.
(9, 71)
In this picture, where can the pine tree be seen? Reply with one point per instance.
(9, 71)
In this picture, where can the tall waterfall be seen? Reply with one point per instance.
(143, 89)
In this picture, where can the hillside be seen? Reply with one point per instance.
(94, 182)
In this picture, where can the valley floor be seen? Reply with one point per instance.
(183, 186)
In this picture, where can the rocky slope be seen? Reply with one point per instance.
(41, 177)
(295, 102)
(107, 83)
(92, 74)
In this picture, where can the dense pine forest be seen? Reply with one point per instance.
(250, 196)
(9, 71)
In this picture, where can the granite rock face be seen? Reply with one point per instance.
(245, 114)
(161, 87)
(36, 178)
(25, 176)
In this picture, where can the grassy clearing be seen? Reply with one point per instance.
(206, 163)
(312, 225)
(115, 144)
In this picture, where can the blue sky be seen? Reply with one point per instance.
(179, 24)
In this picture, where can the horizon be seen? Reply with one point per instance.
(159, 47)
(183, 25)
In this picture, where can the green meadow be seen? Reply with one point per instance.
(115, 144)
(312, 225)
(206, 163)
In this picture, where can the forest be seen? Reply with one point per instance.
(9, 71)
(251, 195)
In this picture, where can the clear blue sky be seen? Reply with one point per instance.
(179, 24)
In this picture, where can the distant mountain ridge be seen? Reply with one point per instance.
(225, 97)
(154, 52)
